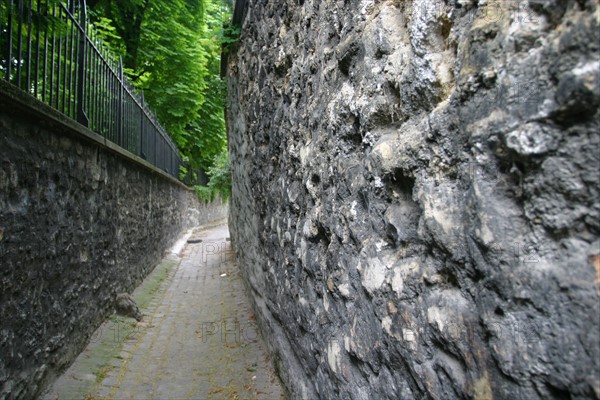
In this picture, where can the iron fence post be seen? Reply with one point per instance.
(121, 106)
(19, 43)
(9, 41)
(81, 116)
(141, 149)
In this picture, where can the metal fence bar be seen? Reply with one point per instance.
(19, 42)
(63, 84)
(81, 68)
(45, 70)
(9, 29)
(49, 50)
(120, 110)
(37, 52)
(29, 25)
(72, 62)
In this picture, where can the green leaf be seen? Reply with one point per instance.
(172, 51)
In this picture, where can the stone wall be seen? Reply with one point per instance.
(415, 202)
(79, 222)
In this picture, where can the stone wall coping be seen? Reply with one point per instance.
(18, 100)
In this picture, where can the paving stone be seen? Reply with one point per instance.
(104, 392)
(111, 381)
(193, 343)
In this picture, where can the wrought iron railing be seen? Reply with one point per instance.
(49, 50)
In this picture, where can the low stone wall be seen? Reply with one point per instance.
(415, 199)
(79, 222)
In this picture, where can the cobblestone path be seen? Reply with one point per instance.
(198, 339)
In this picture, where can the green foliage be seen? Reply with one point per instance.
(183, 171)
(220, 176)
(107, 33)
(204, 193)
(230, 34)
(219, 184)
(172, 51)
(172, 64)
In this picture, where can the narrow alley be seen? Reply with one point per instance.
(197, 339)
(299, 199)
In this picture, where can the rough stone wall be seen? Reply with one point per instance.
(78, 224)
(415, 202)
